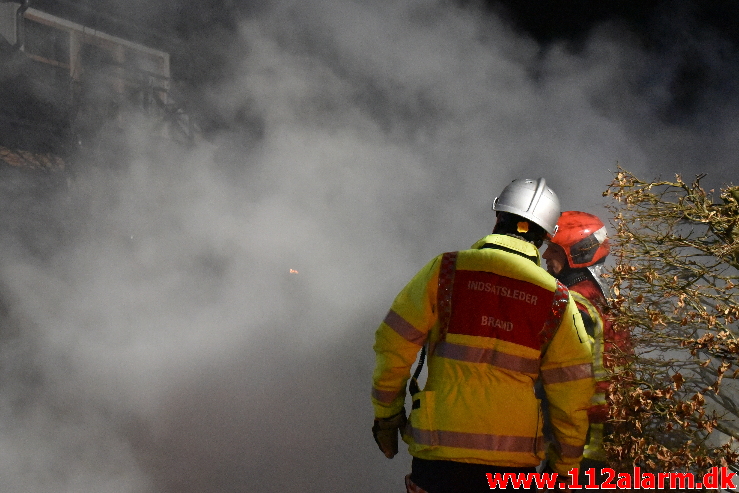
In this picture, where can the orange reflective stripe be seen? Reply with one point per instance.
(570, 451)
(489, 356)
(567, 373)
(477, 441)
(404, 329)
(385, 396)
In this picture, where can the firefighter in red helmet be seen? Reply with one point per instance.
(575, 255)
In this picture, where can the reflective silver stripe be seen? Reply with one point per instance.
(567, 374)
(571, 451)
(385, 396)
(489, 356)
(598, 398)
(477, 441)
(404, 329)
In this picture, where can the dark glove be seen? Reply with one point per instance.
(385, 431)
(563, 482)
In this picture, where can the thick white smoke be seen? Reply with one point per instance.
(169, 348)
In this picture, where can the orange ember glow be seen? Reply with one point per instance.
(293, 271)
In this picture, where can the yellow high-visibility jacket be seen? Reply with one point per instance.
(591, 303)
(494, 321)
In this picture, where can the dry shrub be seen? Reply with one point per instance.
(675, 285)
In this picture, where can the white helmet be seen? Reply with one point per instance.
(530, 199)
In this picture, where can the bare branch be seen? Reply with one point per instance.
(675, 285)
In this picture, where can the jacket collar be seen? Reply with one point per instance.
(510, 243)
(570, 277)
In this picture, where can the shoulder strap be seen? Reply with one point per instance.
(413, 387)
(444, 294)
(444, 309)
(559, 305)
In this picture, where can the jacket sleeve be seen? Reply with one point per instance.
(399, 338)
(598, 411)
(567, 373)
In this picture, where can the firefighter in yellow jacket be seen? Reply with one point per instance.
(492, 322)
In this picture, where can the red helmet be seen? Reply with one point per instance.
(583, 238)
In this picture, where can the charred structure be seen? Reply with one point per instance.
(68, 91)
(63, 83)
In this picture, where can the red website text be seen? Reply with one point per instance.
(716, 477)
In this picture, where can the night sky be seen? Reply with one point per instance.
(702, 34)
